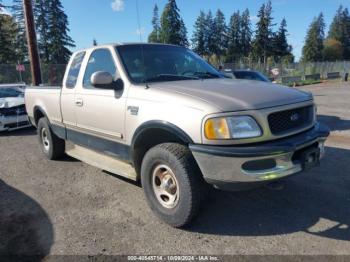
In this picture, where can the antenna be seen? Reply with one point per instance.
(138, 20)
(141, 40)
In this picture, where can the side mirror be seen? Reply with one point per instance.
(103, 80)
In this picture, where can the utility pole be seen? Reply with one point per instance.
(32, 42)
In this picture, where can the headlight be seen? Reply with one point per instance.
(236, 127)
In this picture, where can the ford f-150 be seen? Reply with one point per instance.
(162, 115)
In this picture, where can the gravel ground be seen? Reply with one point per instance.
(67, 207)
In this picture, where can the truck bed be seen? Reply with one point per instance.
(45, 97)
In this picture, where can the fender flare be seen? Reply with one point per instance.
(158, 124)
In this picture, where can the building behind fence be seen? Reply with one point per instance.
(53, 74)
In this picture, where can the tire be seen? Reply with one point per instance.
(51, 145)
(170, 170)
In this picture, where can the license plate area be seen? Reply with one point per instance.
(309, 157)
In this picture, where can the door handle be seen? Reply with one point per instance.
(79, 102)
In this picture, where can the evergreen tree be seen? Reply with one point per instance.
(262, 47)
(58, 39)
(281, 46)
(154, 37)
(8, 33)
(246, 33)
(340, 30)
(199, 35)
(173, 30)
(219, 34)
(21, 39)
(210, 34)
(313, 48)
(41, 11)
(234, 35)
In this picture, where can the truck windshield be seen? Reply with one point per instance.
(158, 63)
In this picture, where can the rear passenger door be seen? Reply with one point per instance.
(68, 90)
(100, 112)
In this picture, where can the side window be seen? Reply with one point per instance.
(100, 60)
(74, 70)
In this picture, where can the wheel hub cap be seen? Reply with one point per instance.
(45, 139)
(165, 186)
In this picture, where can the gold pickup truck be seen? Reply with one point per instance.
(161, 115)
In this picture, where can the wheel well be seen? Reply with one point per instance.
(38, 113)
(150, 138)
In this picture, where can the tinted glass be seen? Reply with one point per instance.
(100, 60)
(151, 63)
(74, 70)
(250, 75)
(10, 92)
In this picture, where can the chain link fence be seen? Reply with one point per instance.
(51, 74)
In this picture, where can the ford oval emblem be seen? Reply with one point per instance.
(294, 117)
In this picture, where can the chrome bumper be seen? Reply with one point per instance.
(236, 168)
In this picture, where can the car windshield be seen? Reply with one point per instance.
(157, 63)
(251, 75)
(10, 92)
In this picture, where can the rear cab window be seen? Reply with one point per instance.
(74, 70)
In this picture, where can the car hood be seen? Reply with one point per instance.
(236, 95)
(9, 102)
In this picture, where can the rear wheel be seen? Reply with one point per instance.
(51, 145)
(172, 183)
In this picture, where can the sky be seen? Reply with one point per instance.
(110, 21)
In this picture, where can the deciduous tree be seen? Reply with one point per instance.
(340, 30)
(333, 50)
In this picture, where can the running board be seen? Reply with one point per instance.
(102, 161)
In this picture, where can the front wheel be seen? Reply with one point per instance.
(172, 183)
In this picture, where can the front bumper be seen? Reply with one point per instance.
(243, 167)
(10, 123)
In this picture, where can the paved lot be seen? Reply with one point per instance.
(68, 207)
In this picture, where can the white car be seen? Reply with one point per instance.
(13, 114)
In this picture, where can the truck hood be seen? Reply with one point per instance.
(236, 95)
(9, 102)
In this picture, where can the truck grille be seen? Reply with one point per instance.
(290, 120)
(13, 111)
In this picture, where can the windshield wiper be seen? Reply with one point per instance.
(169, 77)
(206, 75)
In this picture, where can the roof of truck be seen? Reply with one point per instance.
(120, 44)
